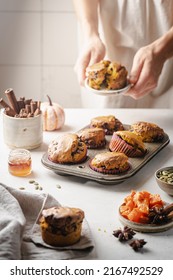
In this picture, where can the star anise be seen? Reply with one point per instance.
(161, 215)
(125, 234)
(137, 244)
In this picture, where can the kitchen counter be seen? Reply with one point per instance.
(101, 202)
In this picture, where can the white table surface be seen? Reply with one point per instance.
(101, 202)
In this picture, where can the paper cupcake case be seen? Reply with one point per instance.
(106, 171)
(119, 145)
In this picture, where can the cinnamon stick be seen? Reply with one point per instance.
(168, 209)
(5, 105)
(12, 99)
(27, 101)
(22, 113)
(21, 104)
(28, 108)
(9, 111)
(30, 115)
(38, 104)
(33, 106)
(37, 112)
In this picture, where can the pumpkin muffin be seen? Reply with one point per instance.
(107, 74)
(128, 143)
(94, 138)
(61, 226)
(149, 132)
(116, 77)
(108, 123)
(96, 74)
(110, 163)
(67, 149)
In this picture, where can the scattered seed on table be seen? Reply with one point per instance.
(31, 181)
(21, 188)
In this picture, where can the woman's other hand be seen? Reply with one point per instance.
(93, 51)
(146, 69)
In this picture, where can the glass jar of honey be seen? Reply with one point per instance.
(19, 162)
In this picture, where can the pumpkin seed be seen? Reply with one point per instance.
(166, 176)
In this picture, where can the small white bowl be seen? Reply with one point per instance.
(163, 181)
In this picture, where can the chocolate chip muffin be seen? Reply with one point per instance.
(108, 123)
(110, 163)
(61, 226)
(67, 149)
(116, 77)
(107, 74)
(96, 74)
(149, 132)
(94, 138)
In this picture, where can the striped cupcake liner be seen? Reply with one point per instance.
(81, 160)
(119, 145)
(109, 171)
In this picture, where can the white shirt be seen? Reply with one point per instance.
(125, 26)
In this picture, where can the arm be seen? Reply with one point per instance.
(93, 50)
(86, 11)
(148, 63)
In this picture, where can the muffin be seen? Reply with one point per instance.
(96, 74)
(94, 138)
(61, 226)
(67, 149)
(116, 77)
(107, 74)
(108, 123)
(149, 132)
(128, 143)
(110, 163)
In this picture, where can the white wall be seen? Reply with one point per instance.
(38, 49)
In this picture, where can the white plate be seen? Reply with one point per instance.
(106, 92)
(145, 227)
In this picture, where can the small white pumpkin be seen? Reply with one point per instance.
(53, 115)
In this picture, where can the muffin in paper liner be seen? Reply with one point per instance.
(93, 145)
(110, 171)
(94, 138)
(109, 123)
(110, 163)
(68, 149)
(149, 132)
(119, 145)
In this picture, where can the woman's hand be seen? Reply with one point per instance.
(92, 52)
(146, 69)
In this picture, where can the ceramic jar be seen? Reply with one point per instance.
(25, 133)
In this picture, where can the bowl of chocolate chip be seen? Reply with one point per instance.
(22, 122)
(164, 179)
